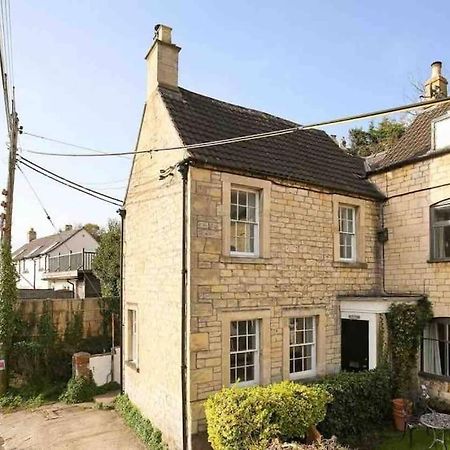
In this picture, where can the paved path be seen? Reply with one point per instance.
(59, 426)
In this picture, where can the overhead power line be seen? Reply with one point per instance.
(47, 215)
(265, 135)
(67, 180)
(81, 147)
(68, 183)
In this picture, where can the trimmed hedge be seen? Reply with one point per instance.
(250, 418)
(143, 428)
(361, 404)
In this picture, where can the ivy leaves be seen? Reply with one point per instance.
(406, 322)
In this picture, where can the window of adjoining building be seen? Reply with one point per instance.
(435, 358)
(244, 222)
(132, 337)
(347, 233)
(440, 230)
(302, 346)
(441, 133)
(244, 352)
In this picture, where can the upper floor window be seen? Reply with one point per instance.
(440, 230)
(244, 217)
(441, 133)
(347, 233)
(244, 352)
(302, 346)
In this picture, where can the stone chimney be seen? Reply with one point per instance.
(68, 228)
(436, 86)
(162, 61)
(31, 235)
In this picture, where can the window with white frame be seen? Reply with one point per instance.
(440, 230)
(244, 226)
(302, 346)
(132, 336)
(244, 352)
(441, 132)
(347, 233)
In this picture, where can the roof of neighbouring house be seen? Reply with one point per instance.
(42, 245)
(308, 156)
(415, 143)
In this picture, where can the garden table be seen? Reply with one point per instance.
(438, 423)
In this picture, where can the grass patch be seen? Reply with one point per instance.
(392, 440)
(143, 428)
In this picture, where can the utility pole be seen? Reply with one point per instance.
(13, 128)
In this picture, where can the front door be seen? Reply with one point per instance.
(354, 345)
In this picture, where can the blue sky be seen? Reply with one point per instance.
(80, 74)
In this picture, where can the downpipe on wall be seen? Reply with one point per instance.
(183, 168)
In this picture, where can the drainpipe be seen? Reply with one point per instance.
(122, 213)
(34, 274)
(73, 288)
(183, 168)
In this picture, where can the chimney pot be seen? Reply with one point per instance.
(163, 33)
(436, 69)
(31, 235)
(436, 86)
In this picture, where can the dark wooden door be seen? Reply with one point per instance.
(354, 345)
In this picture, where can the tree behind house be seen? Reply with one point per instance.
(378, 138)
(106, 264)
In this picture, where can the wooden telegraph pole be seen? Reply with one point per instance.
(13, 129)
(14, 124)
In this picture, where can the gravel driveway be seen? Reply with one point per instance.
(60, 426)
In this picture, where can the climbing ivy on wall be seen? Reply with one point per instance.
(406, 322)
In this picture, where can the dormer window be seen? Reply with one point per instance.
(441, 132)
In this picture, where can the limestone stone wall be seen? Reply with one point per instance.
(298, 274)
(152, 276)
(62, 311)
(407, 217)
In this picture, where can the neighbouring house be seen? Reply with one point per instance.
(414, 175)
(62, 261)
(268, 259)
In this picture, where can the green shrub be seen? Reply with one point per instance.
(142, 427)
(30, 395)
(362, 402)
(249, 418)
(78, 390)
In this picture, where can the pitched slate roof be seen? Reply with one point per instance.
(416, 141)
(42, 245)
(309, 156)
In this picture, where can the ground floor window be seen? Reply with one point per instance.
(244, 352)
(132, 337)
(436, 347)
(302, 346)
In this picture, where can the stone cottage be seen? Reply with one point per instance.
(261, 260)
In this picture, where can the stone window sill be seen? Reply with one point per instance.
(244, 260)
(434, 261)
(132, 366)
(350, 265)
(432, 376)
